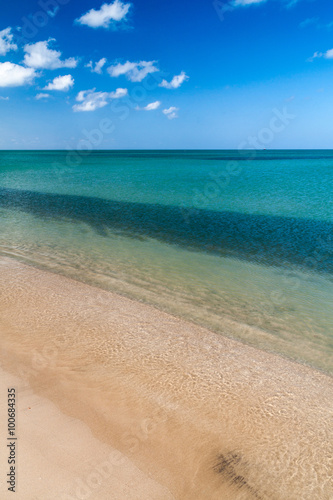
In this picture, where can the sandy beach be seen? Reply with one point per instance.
(116, 400)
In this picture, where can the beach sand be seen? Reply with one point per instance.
(118, 400)
(59, 458)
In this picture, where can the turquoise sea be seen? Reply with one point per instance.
(240, 242)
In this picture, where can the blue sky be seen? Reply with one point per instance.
(78, 74)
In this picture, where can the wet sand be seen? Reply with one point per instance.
(184, 413)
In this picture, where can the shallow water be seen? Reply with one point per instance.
(204, 416)
(241, 246)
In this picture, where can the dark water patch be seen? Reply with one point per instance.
(179, 154)
(266, 239)
(227, 467)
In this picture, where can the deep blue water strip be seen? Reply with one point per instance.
(267, 239)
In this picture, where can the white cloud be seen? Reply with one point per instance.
(4, 98)
(90, 100)
(171, 113)
(315, 55)
(42, 96)
(326, 55)
(150, 107)
(329, 54)
(135, 72)
(175, 82)
(97, 68)
(102, 18)
(241, 3)
(245, 3)
(38, 55)
(63, 83)
(14, 75)
(6, 41)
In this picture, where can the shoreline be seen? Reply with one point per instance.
(199, 414)
(237, 329)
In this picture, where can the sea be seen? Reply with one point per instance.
(239, 242)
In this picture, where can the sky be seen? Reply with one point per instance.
(166, 74)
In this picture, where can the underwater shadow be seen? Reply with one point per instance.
(272, 240)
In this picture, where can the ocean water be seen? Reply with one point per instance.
(238, 242)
